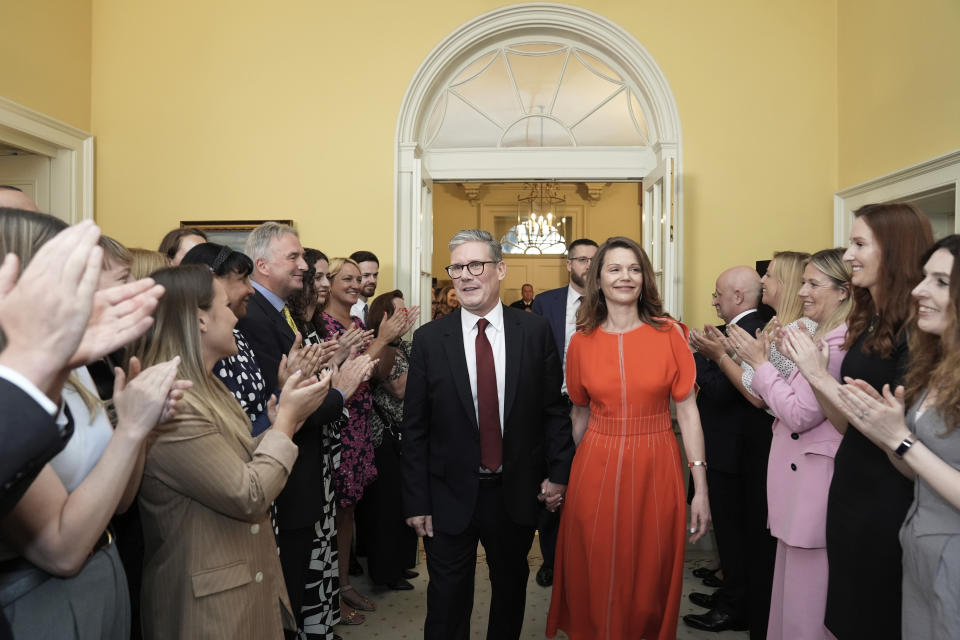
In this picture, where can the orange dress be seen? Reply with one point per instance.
(619, 563)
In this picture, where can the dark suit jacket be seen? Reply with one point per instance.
(733, 429)
(553, 306)
(30, 439)
(441, 439)
(270, 337)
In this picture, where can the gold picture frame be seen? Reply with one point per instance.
(232, 233)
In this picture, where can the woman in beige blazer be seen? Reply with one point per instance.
(210, 566)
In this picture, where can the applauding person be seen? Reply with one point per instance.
(801, 453)
(211, 568)
(925, 446)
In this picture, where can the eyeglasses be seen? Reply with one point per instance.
(475, 268)
(582, 261)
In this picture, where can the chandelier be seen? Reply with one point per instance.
(538, 229)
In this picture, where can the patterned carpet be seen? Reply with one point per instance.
(400, 614)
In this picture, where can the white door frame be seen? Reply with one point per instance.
(71, 157)
(532, 20)
(941, 171)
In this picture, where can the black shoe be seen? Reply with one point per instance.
(409, 574)
(705, 600)
(713, 582)
(703, 572)
(400, 585)
(356, 569)
(545, 576)
(714, 620)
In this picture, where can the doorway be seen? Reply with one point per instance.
(537, 92)
(48, 158)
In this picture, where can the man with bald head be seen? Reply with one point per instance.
(737, 436)
(14, 198)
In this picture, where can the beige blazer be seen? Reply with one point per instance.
(211, 568)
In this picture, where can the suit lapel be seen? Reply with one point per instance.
(276, 317)
(513, 346)
(453, 345)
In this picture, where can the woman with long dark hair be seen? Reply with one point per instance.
(925, 446)
(619, 564)
(868, 498)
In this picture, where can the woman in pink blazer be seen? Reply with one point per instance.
(801, 455)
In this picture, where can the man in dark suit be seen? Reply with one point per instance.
(525, 303)
(486, 434)
(737, 436)
(278, 272)
(559, 306)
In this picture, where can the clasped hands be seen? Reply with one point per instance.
(551, 494)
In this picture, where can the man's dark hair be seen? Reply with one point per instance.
(221, 259)
(581, 242)
(364, 256)
(171, 242)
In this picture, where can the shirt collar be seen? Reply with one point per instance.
(469, 320)
(740, 315)
(275, 301)
(572, 294)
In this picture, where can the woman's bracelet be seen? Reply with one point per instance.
(697, 463)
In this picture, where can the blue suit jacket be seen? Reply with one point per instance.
(553, 306)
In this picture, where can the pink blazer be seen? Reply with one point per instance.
(801, 454)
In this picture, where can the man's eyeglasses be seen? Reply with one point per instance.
(475, 268)
(583, 261)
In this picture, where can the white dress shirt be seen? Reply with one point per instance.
(468, 323)
(570, 327)
(740, 315)
(359, 309)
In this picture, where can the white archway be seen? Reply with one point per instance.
(657, 164)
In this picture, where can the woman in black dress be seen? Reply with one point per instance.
(868, 497)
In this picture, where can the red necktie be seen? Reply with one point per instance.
(488, 403)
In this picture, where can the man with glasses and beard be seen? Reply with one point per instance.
(369, 272)
(560, 306)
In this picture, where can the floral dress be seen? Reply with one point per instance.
(357, 468)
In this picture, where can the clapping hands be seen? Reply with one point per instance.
(144, 399)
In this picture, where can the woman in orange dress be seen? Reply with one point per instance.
(620, 549)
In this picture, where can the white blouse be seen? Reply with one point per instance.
(89, 439)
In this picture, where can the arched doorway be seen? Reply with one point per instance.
(533, 139)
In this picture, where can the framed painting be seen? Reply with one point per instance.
(232, 233)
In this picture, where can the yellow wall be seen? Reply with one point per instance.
(45, 51)
(899, 84)
(247, 110)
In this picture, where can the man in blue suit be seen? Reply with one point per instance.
(560, 306)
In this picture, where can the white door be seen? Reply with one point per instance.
(31, 174)
(659, 201)
(423, 253)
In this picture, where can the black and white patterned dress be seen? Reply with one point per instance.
(321, 604)
(241, 375)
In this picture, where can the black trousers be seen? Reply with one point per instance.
(746, 548)
(391, 545)
(452, 561)
(295, 548)
(549, 527)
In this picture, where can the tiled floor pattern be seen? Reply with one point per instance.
(400, 614)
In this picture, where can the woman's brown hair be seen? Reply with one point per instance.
(176, 332)
(593, 308)
(380, 305)
(935, 360)
(903, 234)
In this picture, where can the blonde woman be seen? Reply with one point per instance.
(211, 568)
(780, 286)
(801, 454)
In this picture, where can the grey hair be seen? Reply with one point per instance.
(258, 242)
(477, 235)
